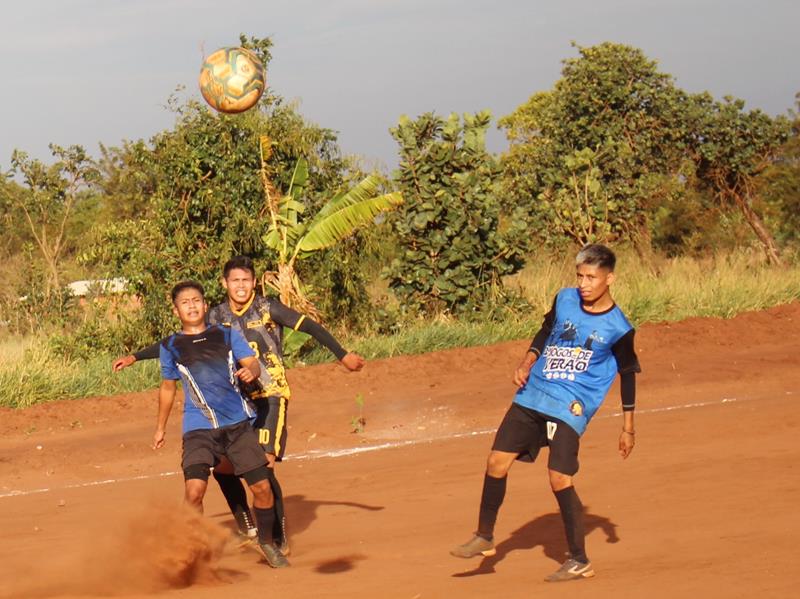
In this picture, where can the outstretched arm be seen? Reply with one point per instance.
(285, 316)
(151, 352)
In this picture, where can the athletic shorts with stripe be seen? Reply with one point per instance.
(270, 424)
(524, 431)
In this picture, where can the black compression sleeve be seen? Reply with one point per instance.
(625, 354)
(537, 345)
(628, 391)
(285, 316)
(151, 352)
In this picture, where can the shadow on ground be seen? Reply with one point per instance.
(547, 532)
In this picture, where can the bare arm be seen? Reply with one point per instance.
(627, 438)
(166, 397)
(523, 371)
(249, 370)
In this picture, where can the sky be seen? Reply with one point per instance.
(100, 71)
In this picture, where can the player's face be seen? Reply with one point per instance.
(190, 307)
(239, 284)
(593, 282)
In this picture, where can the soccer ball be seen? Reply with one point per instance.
(232, 80)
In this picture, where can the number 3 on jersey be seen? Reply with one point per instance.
(254, 346)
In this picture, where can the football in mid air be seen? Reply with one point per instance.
(232, 80)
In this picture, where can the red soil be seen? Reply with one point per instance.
(706, 505)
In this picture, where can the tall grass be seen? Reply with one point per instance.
(663, 290)
(29, 373)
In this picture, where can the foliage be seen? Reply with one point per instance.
(48, 200)
(779, 186)
(452, 248)
(294, 238)
(734, 147)
(198, 199)
(587, 158)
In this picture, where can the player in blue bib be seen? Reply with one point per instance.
(585, 340)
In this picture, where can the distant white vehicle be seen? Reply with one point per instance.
(98, 286)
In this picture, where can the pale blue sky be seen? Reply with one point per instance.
(89, 71)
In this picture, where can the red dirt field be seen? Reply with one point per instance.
(706, 506)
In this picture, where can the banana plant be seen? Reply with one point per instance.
(294, 237)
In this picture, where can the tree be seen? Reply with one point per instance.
(203, 195)
(48, 201)
(612, 126)
(294, 238)
(452, 251)
(734, 147)
(779, 185)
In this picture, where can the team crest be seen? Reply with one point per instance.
(576, 408)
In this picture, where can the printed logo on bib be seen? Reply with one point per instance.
(576, 408)
(565, 362)
(551, 430)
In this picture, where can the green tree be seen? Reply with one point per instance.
(197, 196)
(780, 185)
(452, 248)
(734, 147)
(294, 238)
(48, 201)
(590, 156)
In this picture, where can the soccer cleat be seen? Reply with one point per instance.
(477, 545)
(244, 520)
(275, 558)
(280, 536)
(571, 570)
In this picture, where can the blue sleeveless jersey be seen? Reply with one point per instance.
(205, 364)
(570, 379)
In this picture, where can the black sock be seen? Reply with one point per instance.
(265, 520)
(572, 515)
(279, 528)
(494, 490)
(233, 490)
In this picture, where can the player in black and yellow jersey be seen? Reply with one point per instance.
(261, 320)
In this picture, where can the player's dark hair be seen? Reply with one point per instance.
(596, 254)
(183, 285)
(242, 262)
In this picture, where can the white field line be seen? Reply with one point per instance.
(348, 451)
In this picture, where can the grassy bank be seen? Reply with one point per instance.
(665, 290)
(29, 373)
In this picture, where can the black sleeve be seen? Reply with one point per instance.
(623, 351)
(285, 316)
(539, 339)
(627, 366)
(151, 352)
(628, 391)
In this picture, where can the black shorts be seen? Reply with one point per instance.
(525, 431)
(270, 424)
(238, 442)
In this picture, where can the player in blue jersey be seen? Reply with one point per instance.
(210, 361)
(585, 340)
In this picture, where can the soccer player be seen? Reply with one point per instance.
(585, 340)
(210, 360)
(261, 321)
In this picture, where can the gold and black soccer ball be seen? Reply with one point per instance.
(232, 80)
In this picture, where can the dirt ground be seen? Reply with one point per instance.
(705, 506)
